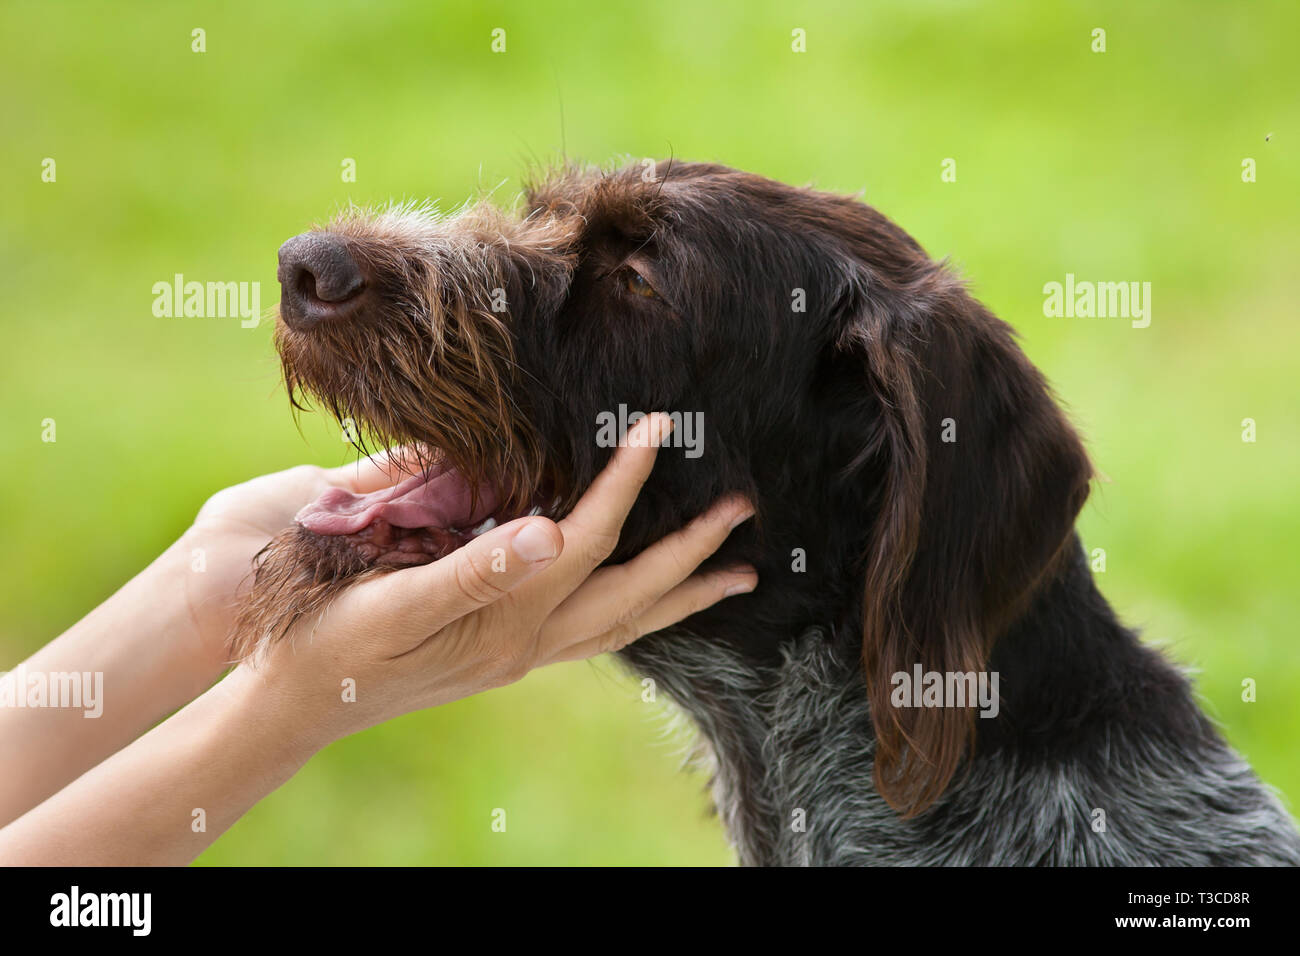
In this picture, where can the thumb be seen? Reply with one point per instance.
(479, 574)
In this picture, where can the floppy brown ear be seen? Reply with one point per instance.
(963, 528)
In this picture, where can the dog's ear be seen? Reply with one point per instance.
(977, 477)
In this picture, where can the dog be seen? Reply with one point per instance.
(915, 483)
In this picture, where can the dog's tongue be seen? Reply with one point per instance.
(438, 499)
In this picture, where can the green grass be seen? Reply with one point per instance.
(1122, 165)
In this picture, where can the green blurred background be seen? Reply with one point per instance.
(1123, 165)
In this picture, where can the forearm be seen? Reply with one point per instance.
(163, 799)
(136, 657)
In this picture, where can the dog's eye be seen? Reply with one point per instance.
(637, 284)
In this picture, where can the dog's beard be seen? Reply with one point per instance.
(470, 457)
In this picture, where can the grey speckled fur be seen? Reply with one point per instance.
(799, 737)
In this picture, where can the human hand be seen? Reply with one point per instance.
(162, 639)
(237, 522)
(517, 597)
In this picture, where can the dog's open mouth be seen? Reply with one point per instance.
(421, 519)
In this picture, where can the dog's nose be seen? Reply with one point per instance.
(319, 280)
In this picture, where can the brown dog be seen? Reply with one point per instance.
(915, 488)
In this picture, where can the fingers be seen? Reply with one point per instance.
(592, 529)
(380, 470)
(426, 599)
(690, 597)
(620, 594)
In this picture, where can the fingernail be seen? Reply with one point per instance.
(533, 544)
(743, 515)
(741, 587)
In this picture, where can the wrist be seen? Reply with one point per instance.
(190, 572)
(257, 699)
(197, 618)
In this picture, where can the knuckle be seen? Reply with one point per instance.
(509, 665)
(619, 637)
(499, 658)
(600, 544)
(476, 584)
(497, 668)
(636, 591)
(492, 660)
(634, 607)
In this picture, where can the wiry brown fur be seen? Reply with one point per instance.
(431, 366)
(431, 362)
(951, 556)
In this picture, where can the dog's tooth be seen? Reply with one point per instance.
(486, 526)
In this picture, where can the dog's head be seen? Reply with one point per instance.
(885, 425)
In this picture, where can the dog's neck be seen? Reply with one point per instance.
(791, 741)
(765, 732)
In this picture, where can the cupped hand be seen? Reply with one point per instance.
(525, 594)
(237, 522)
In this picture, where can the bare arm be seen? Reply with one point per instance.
(404, 641)
(157, 643)
(140, 658)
